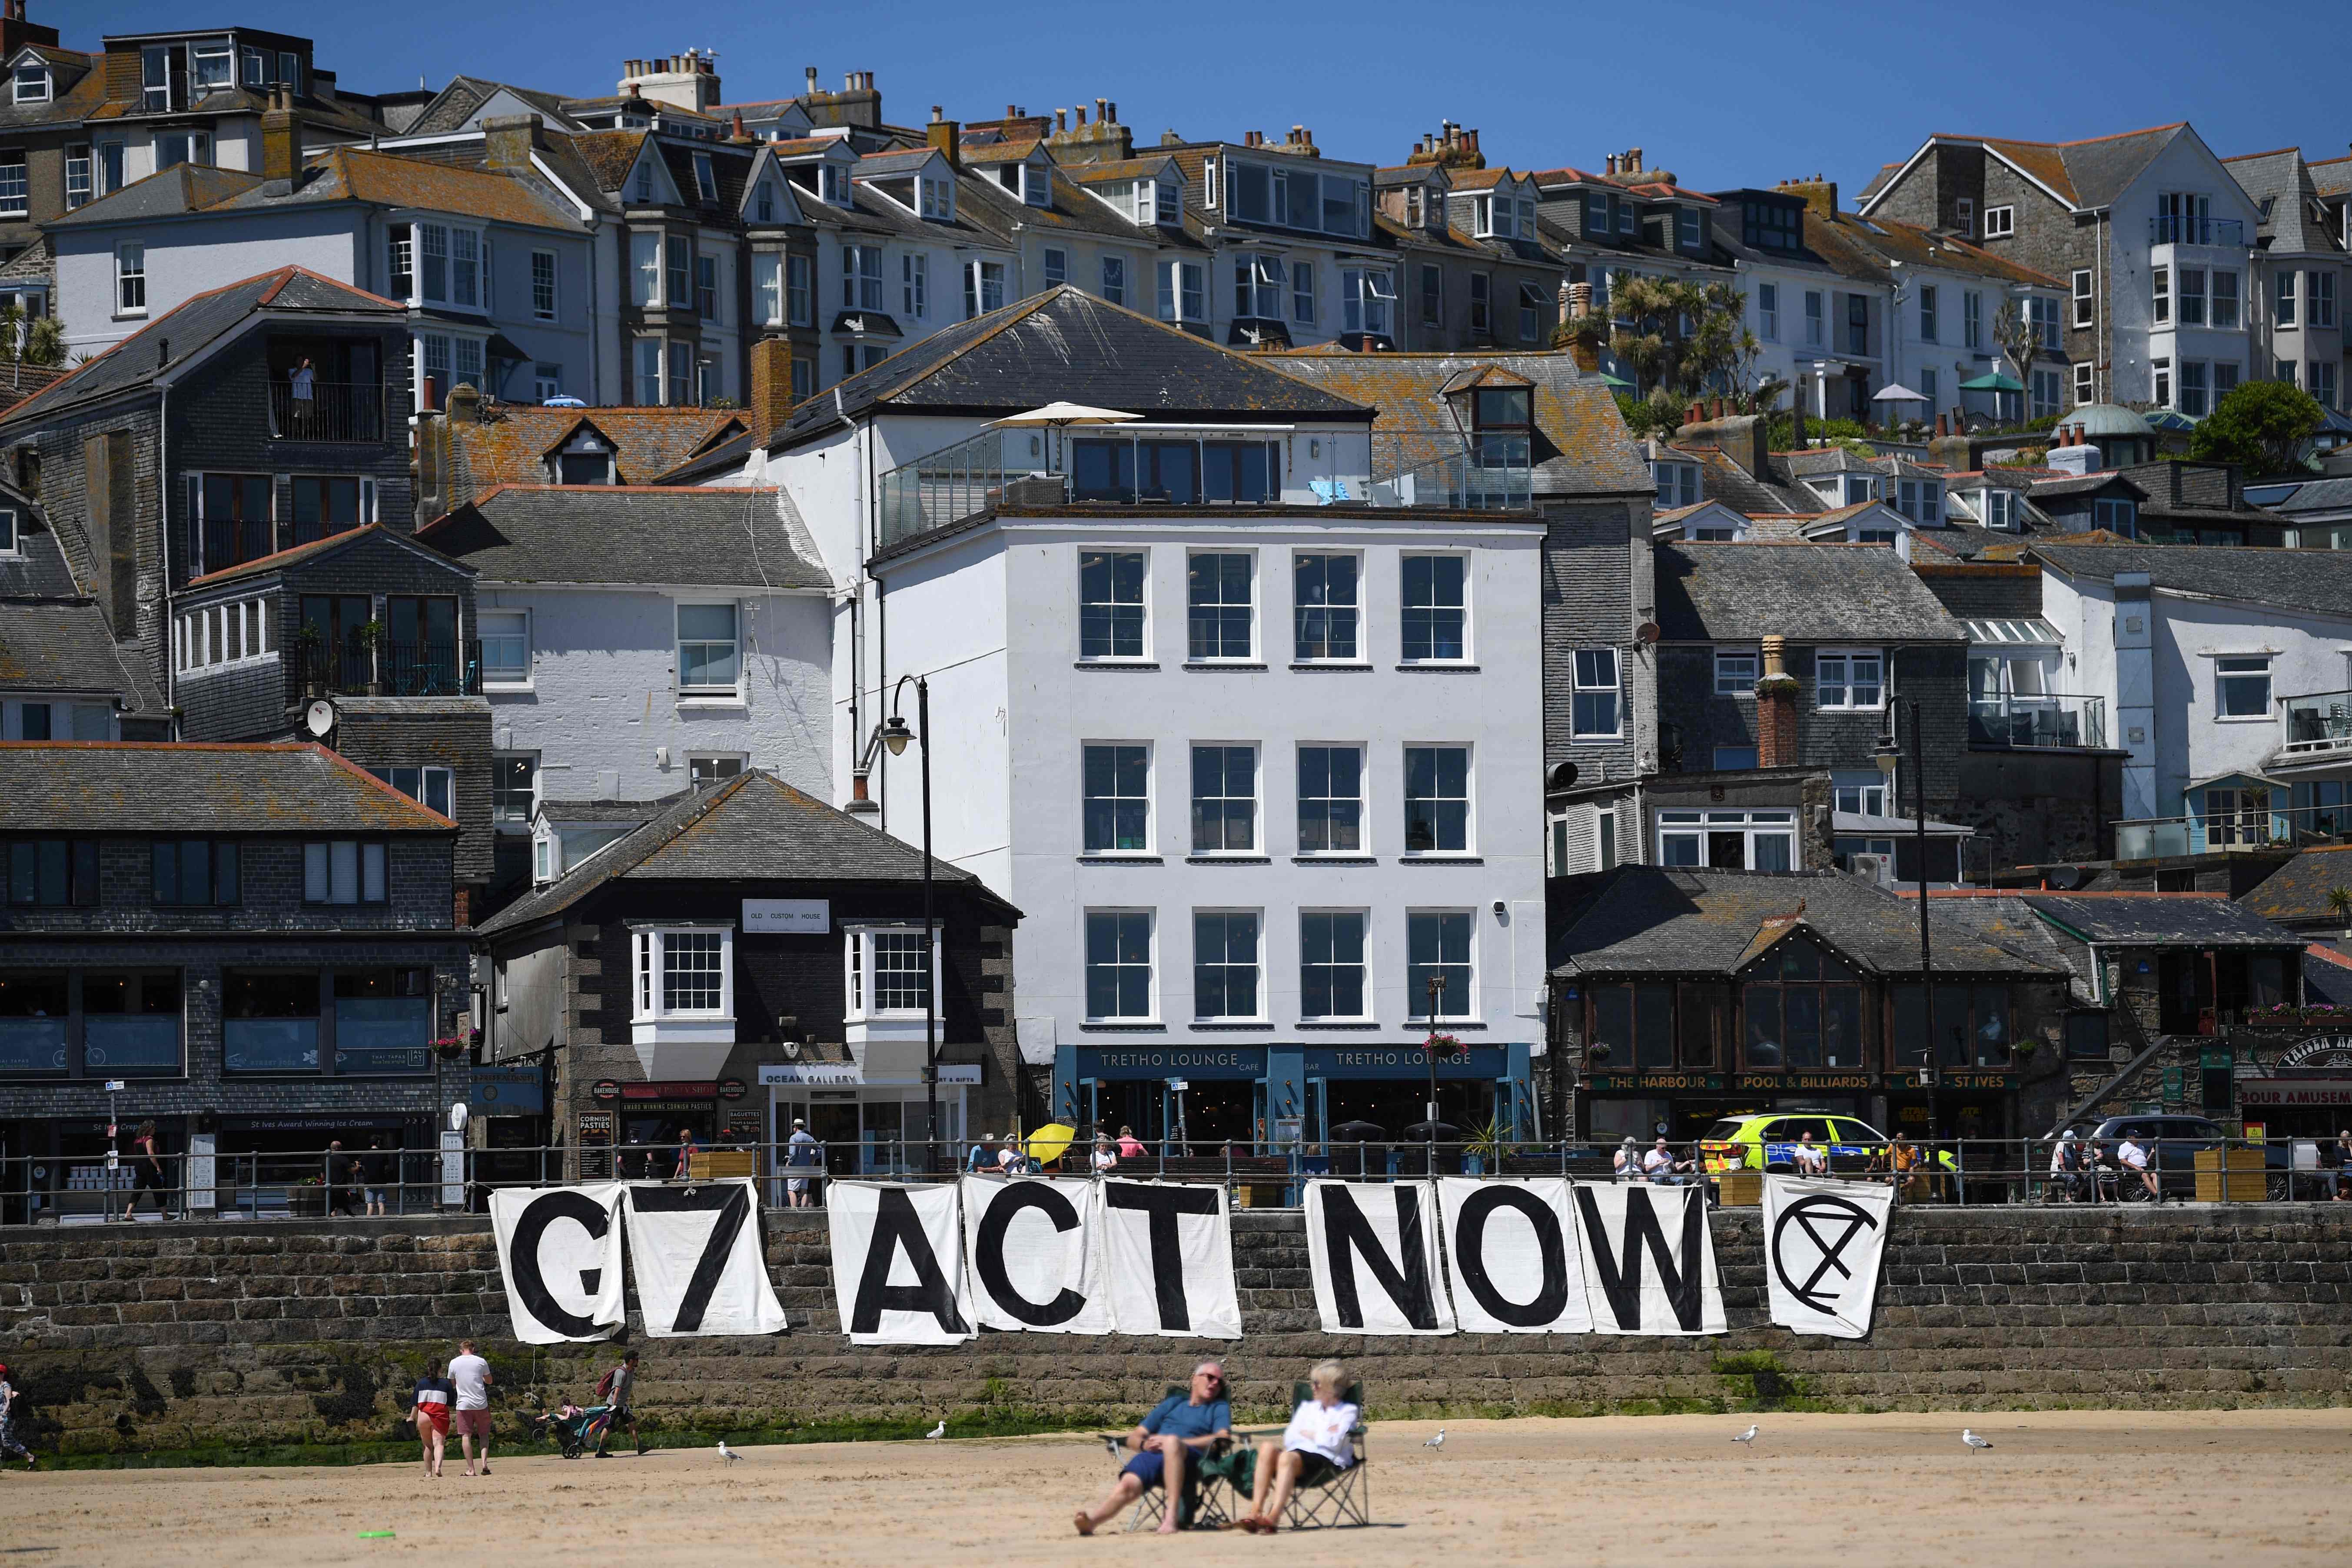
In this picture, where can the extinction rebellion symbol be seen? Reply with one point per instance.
(1830, 1226)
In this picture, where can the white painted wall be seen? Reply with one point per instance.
(602, 695)
(1948, 353)
(1787, 354)
(1006, 599)
(2184, 165)
(190, 257)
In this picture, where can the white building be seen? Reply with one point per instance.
(617, 676)
(1255, 757)
(2229, 672)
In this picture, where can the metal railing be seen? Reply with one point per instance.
(2182, 228)
(384, 669)
(335, 411)
(328, 1185)
(2055, 720)
(2317, 723)
(2257, 826)
(1493, 475)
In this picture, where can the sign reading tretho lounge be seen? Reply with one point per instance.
(1172, 1061)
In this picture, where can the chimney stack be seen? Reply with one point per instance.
(281, 144)
(1776, 708)
(772, 386)
(811, 89)
(509, 141)
(947, 135)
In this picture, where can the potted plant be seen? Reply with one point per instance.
(307, 1199)
(2339, 904)
(449, 1047)
(1442, 1045)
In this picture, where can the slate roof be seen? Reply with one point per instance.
(39, 569)
(1066, 344)
(694, 536)
(194, 324)
(755, 825)
(2298, 889)
(1806, 592)
(1651, 920)
(2317, 580)
(338, 174)
(294, 555)
(2315, 496)
(510, 444)
(1581, 448)
(2160, 920)
(130, 786)
(457, 103)
(1752, 495)
(1856, 245)
(66, 646)
(2085, 175)
(2281, 183)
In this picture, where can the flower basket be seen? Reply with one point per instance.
(1443, 1047)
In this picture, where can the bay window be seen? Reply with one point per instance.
(679, 261)
(684, 983)
(646, 273)
(1302, 293)
(1258, 285)
(1367, 298)
(1183, 291)
(1801, 1006)
(890, 972)
(799, 291)
(768, 288)
(1969, 1025)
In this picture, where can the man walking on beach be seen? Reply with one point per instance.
(10, 1448)
(471, 1373)
(618, 1389)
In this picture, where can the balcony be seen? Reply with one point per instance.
(2265, 821)
(384, 670)
(1495, 476)
(2178, 229)
(2054, 721)
(2318, 728)
(334, 412)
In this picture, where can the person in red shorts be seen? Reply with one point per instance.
(471, 1374)
(434, 1396)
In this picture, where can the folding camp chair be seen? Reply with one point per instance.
(1206, 1501)
(1341, 1497)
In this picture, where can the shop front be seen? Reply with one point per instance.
(645, 1122)
(1200, 1100)
(1681, 1106)
(870, 1116)
(2299, 1090)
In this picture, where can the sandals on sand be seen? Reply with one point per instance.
(1257, 1526)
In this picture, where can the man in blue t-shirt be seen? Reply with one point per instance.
(1174, 1434)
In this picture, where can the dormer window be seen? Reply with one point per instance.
(705, 179)
(1036, 185)
(1625, 218)
(584, 460)
(1921, 500)
(1677, 484)
(32, 84)
(765, 203)
(1493, 217)
(1167, 201)
(1687, 218)
(212, 66)
(1999, 509)
(833, 183)
(1860, 488)
(641, 193)
(1413, 207)
(938, 198)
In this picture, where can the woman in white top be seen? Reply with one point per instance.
(1313, 1448)
(1106, 1158)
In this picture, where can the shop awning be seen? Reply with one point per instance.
(2030, 632)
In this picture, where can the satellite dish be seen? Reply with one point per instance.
(457, 1117)
(1649, 631)
(319, 718)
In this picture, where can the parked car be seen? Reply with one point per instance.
(1766, 1141)
(2173, 1143)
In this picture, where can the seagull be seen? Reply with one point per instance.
(727, 1454)
(939, 1431)
(1972, 1440)
(1749, 1436)
(1436, 1442)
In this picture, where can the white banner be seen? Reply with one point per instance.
(560, 1252)
(1035, 1249)
(1373, 1250)
(1514, 1257)
(1649, 1261)
(1168, 1247)
(898, 1263)
(699, 1266)
(1823, 1243)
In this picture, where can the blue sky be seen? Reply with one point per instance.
(1722, 94)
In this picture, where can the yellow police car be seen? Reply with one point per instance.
(1768, 1140)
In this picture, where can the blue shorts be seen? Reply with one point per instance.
(1148, 1467)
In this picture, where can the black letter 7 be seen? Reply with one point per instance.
(733, 1202)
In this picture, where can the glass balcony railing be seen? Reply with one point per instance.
(2317, 725)
(2181, 229)
(1494, 475)
(2265, 821)
(2054, 721)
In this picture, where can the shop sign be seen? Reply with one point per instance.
(1404, 1061)
(961, 1072)
(787, 917)
(508, 1091)
(731, 1088)
(606, 1091)
(669, 1089)
(2319, 1051)
(1655, 1083)
(829, 1073)
(1803, 1082)
(1171, 1061)
(1992, 1082)
(2288, 1093)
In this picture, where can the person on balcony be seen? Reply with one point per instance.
(305, 382)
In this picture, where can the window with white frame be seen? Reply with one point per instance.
(1332, 980)
(1434, 623)
(113, 159)
(1367, 299)
(764, 202)
(2086, 301)
(2118, 515)
(1928, 312)
(1728, 840)
(1971, 320)
(1531, 310)
(768, 288)
(2000, 508)
(12, 541)
(78, 176)
(2189, 299)
(1225, 964)
(1850, 677)
(889, 971)
(1117, 808)
(2085, 383)
(2322, 300)
(1119, 965)
(1057, 265)
(713, 767)
(1864, 794)
(2194, 381)
(1114, 280)
(686, 972)
(514, 786)
(645, 270)
(2043, 314)
(1220, 615)
(1330, 800)
(915, 284)
(1768, 311)
(833, 184)
(1225, 800)
(2000, 223)
(649, 373)
(2322, 382)
(2043, 390)
(1964, 216)
(2241, 687)
(1183, 291)
(1928, 388)
(506, 647)
(1302, 293)
(2223, 302)
(1594, 708)
(31, 83)
(861, 277)
(14, 187)
(799, 291)
(1735, 672)
(1326, 610)
(1258, 285)
(1437, 800)
(428, 787)
(705, 287)
(1921, 500)
(803, 378)
(543, 285)
(1686, 227)
(1110, 603)
(129, 279)
(705, 179)
(984, 288)
(216, 635)
(1439, 949)
(1677, 484)
(1482, 304)
(1812, 318)
(2283, 298)
(709, 661)
(680, 360)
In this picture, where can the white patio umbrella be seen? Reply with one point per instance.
(1056, 415)
(1897, 392)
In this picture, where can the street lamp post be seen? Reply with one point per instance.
(1429, 1051)
(895, 735)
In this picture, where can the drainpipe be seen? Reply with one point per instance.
(163, 513)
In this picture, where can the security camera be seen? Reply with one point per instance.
(1499, 908)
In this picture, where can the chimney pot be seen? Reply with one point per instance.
(1081, 113)
(1061, 120)
(1100, 105)
(938, 113)
(812, 80)
(1113, 111)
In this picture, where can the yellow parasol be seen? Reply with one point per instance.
(1047, 1143)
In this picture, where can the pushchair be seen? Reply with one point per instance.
(571, 1428)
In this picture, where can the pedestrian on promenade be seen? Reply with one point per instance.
(147, 1172)
(1130, 1147)
(471, 1374)
(803, 1155)
(432, 1398)
(375, 1173)
(1106, 1158)
(342, 1180)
